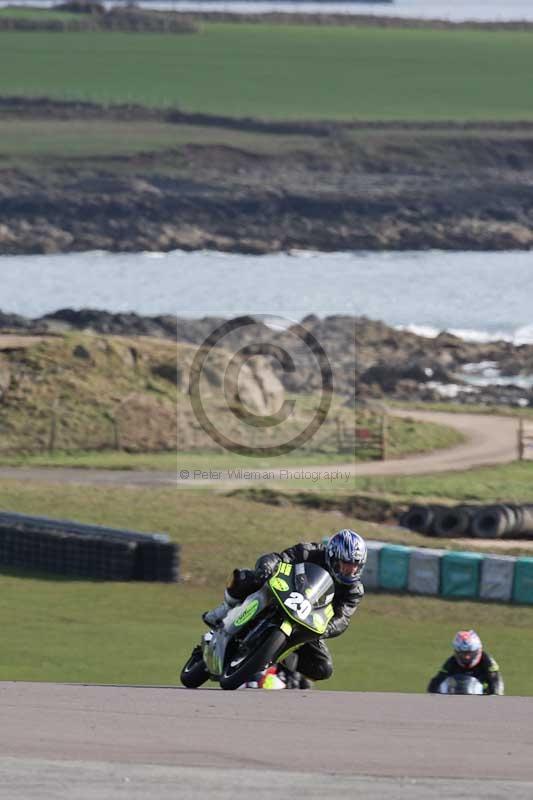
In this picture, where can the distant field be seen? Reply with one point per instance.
(56, 138)
(283, 71)
(17, 12)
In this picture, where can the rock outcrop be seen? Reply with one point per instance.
(299, 185)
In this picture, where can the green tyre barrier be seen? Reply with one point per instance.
(523, 580)
(460, 574)
(394, 567)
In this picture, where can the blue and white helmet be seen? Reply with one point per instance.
(346, 556)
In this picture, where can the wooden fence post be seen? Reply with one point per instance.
(520, 439)
(53, 428)
(116, 433)
(339, 434)
(384, 437)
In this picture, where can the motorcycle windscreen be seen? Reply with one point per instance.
(463, 684)
(315, 583)
(305, 591)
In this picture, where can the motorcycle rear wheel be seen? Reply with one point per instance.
(235, 675)
(194, 673)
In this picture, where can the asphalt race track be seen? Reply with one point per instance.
(76, 742)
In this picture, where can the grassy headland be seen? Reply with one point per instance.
(443, 161)
(124, 396)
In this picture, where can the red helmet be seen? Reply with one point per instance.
(467, 649)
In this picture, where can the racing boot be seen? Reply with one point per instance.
(294, 679)
(271, 679)
(216, 615)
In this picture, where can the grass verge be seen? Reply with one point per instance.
(509, 482)
(61, 630)
(58, 629)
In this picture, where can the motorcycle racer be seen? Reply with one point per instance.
(344, 556)
(470, 658)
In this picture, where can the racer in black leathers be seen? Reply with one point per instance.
(314, 659)
(486, 671)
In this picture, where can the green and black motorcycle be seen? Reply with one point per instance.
(293, 607)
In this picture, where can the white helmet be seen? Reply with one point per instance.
(467, 648)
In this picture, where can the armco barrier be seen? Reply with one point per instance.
(448, 573)
(90, 551)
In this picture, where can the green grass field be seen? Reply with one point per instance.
(283, 71)
(56, 138)
(201, 460)
(58, 629)
(61, 630)
(43, 14)
(509, 482)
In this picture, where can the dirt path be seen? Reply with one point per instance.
(490, 440)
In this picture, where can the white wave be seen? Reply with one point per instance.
(428, 331)
(449, 390)
(524, 335)
(521, 336)
(297, 253)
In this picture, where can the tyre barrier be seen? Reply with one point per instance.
(89, 551)
(455, 521)
(448, 573)
(477, 521)
(420, 518)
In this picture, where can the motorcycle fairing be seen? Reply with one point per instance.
(215, 642)
(311, 606)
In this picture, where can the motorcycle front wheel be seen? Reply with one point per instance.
(194, 673)
(241, 667)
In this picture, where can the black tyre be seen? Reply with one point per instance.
(194, 673)
(242, 667)
(420, 518)
(492, 522)
(455, 521)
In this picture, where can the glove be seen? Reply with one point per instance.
(265, 567)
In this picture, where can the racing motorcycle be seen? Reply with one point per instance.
(461, 684)
(292, 607)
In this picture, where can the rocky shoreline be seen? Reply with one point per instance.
(270, 186)
(371, 361)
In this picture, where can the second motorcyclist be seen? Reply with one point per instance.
(469, 658)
